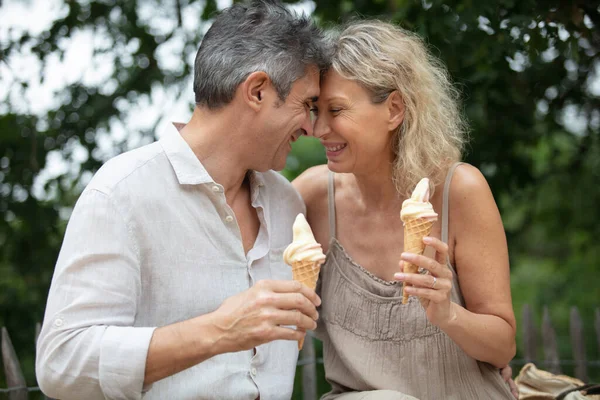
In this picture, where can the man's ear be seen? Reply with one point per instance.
(254, 89)
(396, 110)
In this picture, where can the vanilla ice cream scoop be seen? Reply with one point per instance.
(304, 247)
(418, 205)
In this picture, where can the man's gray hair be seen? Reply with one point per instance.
(258, 36)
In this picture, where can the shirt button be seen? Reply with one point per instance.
(253, 372)
(216, 189)
(229, 218)
(58, 322)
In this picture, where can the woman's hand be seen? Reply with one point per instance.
(506, 373)
(432, 289)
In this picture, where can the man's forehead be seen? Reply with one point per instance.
(315, 81)
(308, 86)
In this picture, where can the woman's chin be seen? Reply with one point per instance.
(336, 166)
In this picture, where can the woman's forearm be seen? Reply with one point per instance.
(484, 337)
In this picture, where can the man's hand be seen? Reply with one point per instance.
(506, 373)
(244, 321)
(264, 313)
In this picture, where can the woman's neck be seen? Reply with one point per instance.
(376, 190)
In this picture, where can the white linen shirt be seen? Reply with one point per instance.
(150, 242)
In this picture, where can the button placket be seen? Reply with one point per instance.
(254, 362)
(228, 218)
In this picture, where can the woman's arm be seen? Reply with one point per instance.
(485, 328)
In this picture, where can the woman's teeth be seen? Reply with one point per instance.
(336, 148)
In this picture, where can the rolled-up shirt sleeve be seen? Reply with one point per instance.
(88, 347)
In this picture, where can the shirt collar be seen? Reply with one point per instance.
(188, 169)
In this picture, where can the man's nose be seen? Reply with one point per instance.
(307, 127)
(320, 128)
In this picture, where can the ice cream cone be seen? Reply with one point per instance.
(306, 272)
(414, 232)
(418, 217)
(305, 256)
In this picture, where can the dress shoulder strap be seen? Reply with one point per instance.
(445, 201)
(331, 203)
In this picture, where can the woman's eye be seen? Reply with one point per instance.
(335, 110)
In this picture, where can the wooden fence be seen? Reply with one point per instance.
(551, 361)
(18, 389)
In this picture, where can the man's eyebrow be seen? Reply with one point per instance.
(313, 99)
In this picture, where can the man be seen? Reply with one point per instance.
(170, 282)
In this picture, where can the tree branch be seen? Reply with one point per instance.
(179, 14)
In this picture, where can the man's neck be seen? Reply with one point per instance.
(216, 139)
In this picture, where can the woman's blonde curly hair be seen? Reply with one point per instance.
(383, 58)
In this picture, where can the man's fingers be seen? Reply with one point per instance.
(295, 301)
(290, 286)
(513, 388)
(283, 333)
(506, 373)
(293, 317)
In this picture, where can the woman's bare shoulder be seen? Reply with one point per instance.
(312, 185)
(469, 186)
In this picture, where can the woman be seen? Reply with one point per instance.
(388, 116)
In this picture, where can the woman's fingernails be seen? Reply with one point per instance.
(399, 275)
(427, 240)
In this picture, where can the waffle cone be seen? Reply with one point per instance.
(306, 272)
(414, 231)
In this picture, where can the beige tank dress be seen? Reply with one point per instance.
(374, 347)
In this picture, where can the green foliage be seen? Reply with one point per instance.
(525, 69)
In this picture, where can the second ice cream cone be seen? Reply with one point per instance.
(418, 217)
(414, 232)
